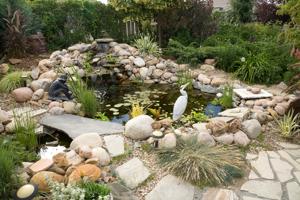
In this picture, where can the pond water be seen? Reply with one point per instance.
(116, 99)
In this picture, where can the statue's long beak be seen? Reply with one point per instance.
(184, 86)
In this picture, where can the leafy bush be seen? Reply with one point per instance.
(85, 96)
(95, 191)
(195, 116)
(242, 10)
(25, 131)
(11, 81)
(258, 69)
(147, 46)
(288, 126)
(68, 22)
(202, 165)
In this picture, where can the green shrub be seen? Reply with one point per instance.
(85, 96)
(226, 100)
(258, 69)
(66, 22)
(147, 46)
(11, 81)
(25, 131)
(202, 165)
(94, 190)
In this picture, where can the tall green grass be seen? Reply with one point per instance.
(25, 131)
(11, 81)
(7, 175)
(85, 96)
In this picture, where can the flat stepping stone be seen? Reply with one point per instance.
(273, 154)
(288, 158)
(121, 192)
(74, 125)
(297, 175)
(282, 169)
(251, 198)
(251, 156)
(216, 193)
(262, 166)
(172, 188)
(265, 189)
(294, 152)
(41, 165)
(245, 94)
(288, 145)
(293, 190)
(253, 175)
(114, 145)
(240, 113)
(133, 173)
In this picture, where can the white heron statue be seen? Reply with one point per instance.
(181, 103)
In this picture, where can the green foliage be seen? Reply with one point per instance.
(85, 96)
(12, 153)
(202, 165)
(95, 190)
(226, 99)
(185, 77)
(292, 32)
(288, 126)
(258, 69)
(101, 116)
(7, 166)
(147, 46)
(242, 10)
(11, 81)
(141, 9)
(233, 42)
(66, 22)
(25, 131)
(195, 116)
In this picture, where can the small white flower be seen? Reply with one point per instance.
(243, 59)
(219, 95)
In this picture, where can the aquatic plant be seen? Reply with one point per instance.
(147, 46)
(95, 191)
(226, 100)
(195, 116)
(155, 112)
(136, 110)
(25, 131)
(11, 81)
(101, 116)
(288, 125)
(200, 164)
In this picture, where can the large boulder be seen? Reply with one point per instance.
(226, 138)
(42, 178)
(206, 139)
(49, 75)
(40, 84)
(90, 139)
(67, 159)
(168, 141)
(241, 139)
(37, 95)
(139, 128)
(139, 62)
(82, 172)
(252, 128)
(217, 126)
(102, 155)
(22, 94)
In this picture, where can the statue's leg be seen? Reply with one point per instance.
(67, 94)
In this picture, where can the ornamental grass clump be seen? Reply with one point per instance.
(85, 96)
(11, 81)
(288, 126)
(200, 164)
(147, 46)
(25, 131)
